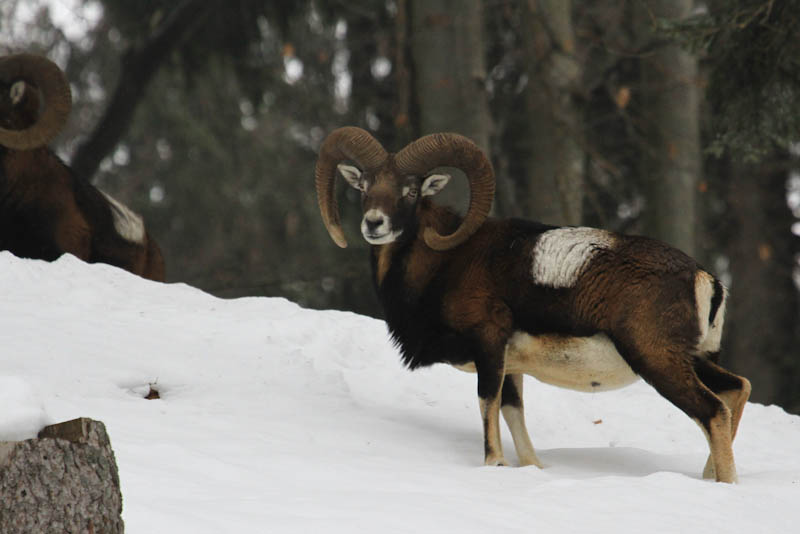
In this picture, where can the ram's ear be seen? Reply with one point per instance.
(17, 91)
(434, 183)
(352, 175)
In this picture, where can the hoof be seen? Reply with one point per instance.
(708, 470)
(496, 462)
(710, 473)
(525, 462)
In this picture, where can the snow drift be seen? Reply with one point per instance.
(274, 418)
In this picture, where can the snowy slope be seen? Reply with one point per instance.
(274, 418)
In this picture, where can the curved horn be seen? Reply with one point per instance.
(50, 80)
(347, 143)
(452, 150)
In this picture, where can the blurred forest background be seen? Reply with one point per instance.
(669, 118)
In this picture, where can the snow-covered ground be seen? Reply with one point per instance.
(274, 418)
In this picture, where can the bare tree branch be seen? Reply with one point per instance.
(139, 64)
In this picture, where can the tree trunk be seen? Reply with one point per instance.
(670, 113)
(761, 332)
(369, 37)
(447, 49)
(552, 190)
(66, 480)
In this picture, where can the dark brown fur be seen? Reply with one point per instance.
(473, 292)
(462, 305)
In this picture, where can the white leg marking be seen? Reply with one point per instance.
(735, 400)
(490, 413)
(708, 470)
(515, 419)
(720, 464)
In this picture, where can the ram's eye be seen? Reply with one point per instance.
(410, 192)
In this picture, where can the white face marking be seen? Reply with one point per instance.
(409, 190)
(128, 224)
(16, 92)
(376, 228)
(561, 255)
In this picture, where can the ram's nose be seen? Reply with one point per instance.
(376, 227)
(374, 223)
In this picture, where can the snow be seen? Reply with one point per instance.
(274, 418)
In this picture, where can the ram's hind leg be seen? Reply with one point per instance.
(732, 389)
(514, 414)
(673, 375)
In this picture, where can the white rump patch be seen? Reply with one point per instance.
(561, 255)
(710, 334)
(129, 225)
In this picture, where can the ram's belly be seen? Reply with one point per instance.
(581, 363)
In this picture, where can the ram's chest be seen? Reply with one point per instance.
(589, 363)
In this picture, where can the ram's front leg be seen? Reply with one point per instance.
(514, 414)
(489, 321)
(490, 386)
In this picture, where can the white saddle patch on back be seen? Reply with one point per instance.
(129, 225)
(561, 255)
